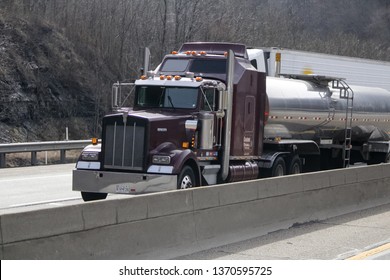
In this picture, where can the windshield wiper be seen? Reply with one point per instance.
(170, 101)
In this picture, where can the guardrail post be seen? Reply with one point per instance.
(63, 156)
(2, 160)
(33, 158)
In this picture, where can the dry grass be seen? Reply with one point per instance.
(49, 157)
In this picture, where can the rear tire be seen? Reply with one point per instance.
(90, 196)
(295, 166)
(278, 168)
(186, 178)
(377, 158)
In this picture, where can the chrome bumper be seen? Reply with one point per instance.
(122, 183)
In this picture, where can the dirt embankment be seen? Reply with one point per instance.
(44, 85)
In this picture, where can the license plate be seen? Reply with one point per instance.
(123, 188)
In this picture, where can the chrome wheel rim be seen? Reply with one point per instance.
(186, 182)
(279, 171)
(295, 169)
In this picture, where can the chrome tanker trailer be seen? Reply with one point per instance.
(349, 123)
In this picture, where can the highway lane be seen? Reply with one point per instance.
(36, 185)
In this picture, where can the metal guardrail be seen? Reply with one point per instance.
(34, 147)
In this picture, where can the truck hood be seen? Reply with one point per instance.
(164, 127)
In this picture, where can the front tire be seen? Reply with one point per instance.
(90, 196)
(186, 178)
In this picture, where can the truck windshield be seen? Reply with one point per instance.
(166, 97)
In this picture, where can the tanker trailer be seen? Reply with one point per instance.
(349, 124)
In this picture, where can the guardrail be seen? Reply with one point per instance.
(34, 147)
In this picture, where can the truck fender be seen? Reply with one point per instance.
(179, 159)
(166, 148)
(186, 157)
(268, 158)
(91, 148)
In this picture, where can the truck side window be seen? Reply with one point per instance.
(209, 102)
(150, 96)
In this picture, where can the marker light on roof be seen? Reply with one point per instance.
(177, 78)
(174, 52)
(162, 77)
(169, 77)
(198, 79)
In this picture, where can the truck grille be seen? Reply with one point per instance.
(124, 145)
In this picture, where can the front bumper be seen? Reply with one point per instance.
(120, 182)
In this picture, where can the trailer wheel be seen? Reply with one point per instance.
(376, 158)
(279, 167)
(186, 178)
(90, 196)
(295, 166)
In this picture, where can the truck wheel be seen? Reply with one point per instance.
(186, 178)
(90, 196)
(295, 166)
(376, 158)
(279, 167)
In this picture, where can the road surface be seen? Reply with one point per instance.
(24, 186)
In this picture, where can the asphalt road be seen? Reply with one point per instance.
(35, 185)
(361, 235)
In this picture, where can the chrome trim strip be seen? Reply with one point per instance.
(113, 146)
(132, 154)
(124, 144)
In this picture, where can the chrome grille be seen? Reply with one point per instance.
(124, 145)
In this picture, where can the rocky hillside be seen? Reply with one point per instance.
(44, 85)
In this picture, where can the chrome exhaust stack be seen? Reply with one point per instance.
(228, 115)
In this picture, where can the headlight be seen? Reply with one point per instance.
(157, 159)
(90, 156)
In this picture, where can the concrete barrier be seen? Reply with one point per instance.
(170, 224)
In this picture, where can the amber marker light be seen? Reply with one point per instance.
(198, 79)
(185, 145)
(177, 78)
(174, 52)
(162, 77)
(169, 77)
(94, 141)
(278, 57)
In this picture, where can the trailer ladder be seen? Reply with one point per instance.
(346, 93)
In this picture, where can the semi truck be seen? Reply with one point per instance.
(215, 113)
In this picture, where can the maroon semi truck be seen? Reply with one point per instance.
(205, 116)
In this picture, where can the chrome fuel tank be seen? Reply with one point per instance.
(301, 109)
